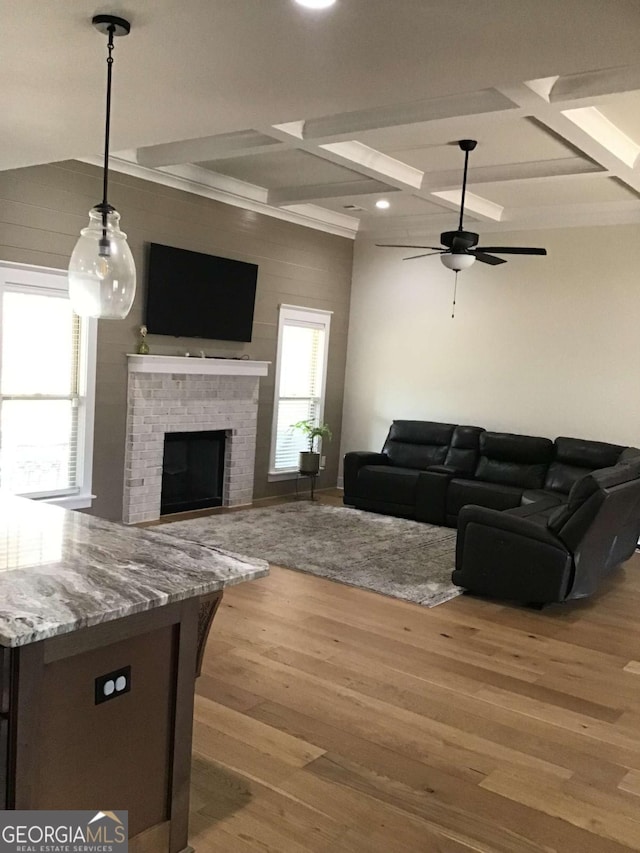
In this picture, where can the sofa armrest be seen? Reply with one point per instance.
(353, 462)
(431, 494)
(506, 522)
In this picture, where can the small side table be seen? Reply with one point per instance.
(312, 478)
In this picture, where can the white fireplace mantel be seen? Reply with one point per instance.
(196, 365)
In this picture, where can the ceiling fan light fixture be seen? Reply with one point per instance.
(457, 261)
(460, 248)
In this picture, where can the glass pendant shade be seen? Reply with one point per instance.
(457, 261)
(102, 272)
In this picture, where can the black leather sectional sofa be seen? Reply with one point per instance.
(538, 520)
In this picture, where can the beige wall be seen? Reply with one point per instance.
(42, 210)
(543, 346)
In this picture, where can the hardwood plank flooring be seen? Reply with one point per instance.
(330, 718)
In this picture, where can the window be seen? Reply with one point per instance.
(303, 343)
(47, 387)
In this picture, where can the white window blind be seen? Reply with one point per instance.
(46, 388)
(303, 339)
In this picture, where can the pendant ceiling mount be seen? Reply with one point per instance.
(104, 23)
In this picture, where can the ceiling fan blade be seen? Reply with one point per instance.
(487, 259)
(512, 250)
(428, 255)
(404, 246)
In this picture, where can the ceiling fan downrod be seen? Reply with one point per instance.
(466, 145)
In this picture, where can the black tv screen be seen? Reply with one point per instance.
(193, 295)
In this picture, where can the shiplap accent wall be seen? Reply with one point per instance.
(43, 208)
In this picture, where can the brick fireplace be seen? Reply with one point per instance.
(169, 394)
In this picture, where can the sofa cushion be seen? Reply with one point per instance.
(575, 457)
(533, 496)
(514, 460)
(417, 444)
(492, 495)
(629, 454)
(587, 454)
(537, 512)
(465, 449)
(561, 477)
(388, 483)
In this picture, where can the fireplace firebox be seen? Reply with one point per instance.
(192, 470)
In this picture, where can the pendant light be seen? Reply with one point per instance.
(102, 273)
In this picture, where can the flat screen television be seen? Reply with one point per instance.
(193, 295)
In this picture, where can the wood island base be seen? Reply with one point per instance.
(64, 745)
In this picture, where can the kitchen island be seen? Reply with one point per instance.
(102, 629)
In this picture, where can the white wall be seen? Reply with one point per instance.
(542, 346)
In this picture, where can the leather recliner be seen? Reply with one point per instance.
(541, 552)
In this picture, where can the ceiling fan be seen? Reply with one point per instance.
(460, 248)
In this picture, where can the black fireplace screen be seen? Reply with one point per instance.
(192, 470)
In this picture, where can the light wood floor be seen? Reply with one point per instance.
(333, 719)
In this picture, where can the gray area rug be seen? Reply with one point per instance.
(404, 559)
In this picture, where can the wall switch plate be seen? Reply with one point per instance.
(323, 461)
(112, 685)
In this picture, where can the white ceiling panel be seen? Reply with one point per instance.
(624, 112)
(282, 169)
(501, 140)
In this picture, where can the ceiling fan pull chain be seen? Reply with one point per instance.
(455, 290)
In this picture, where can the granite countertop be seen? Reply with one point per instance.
(61, 570)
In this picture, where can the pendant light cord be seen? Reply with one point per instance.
(107, 126)
(105, 208)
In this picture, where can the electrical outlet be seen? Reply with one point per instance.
(112, 685)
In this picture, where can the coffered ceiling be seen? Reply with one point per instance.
(316, 116)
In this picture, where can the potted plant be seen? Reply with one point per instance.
(309, 460)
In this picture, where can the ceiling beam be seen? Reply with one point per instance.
(513, 172)
(242, 143)
(349, 123)
(362, 159)
(551, 116)
(321, 192)
(595, 84)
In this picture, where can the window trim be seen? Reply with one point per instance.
(16, 276)
(307, 317)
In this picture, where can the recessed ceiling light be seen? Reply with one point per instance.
(316, 4)
(383, 204)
